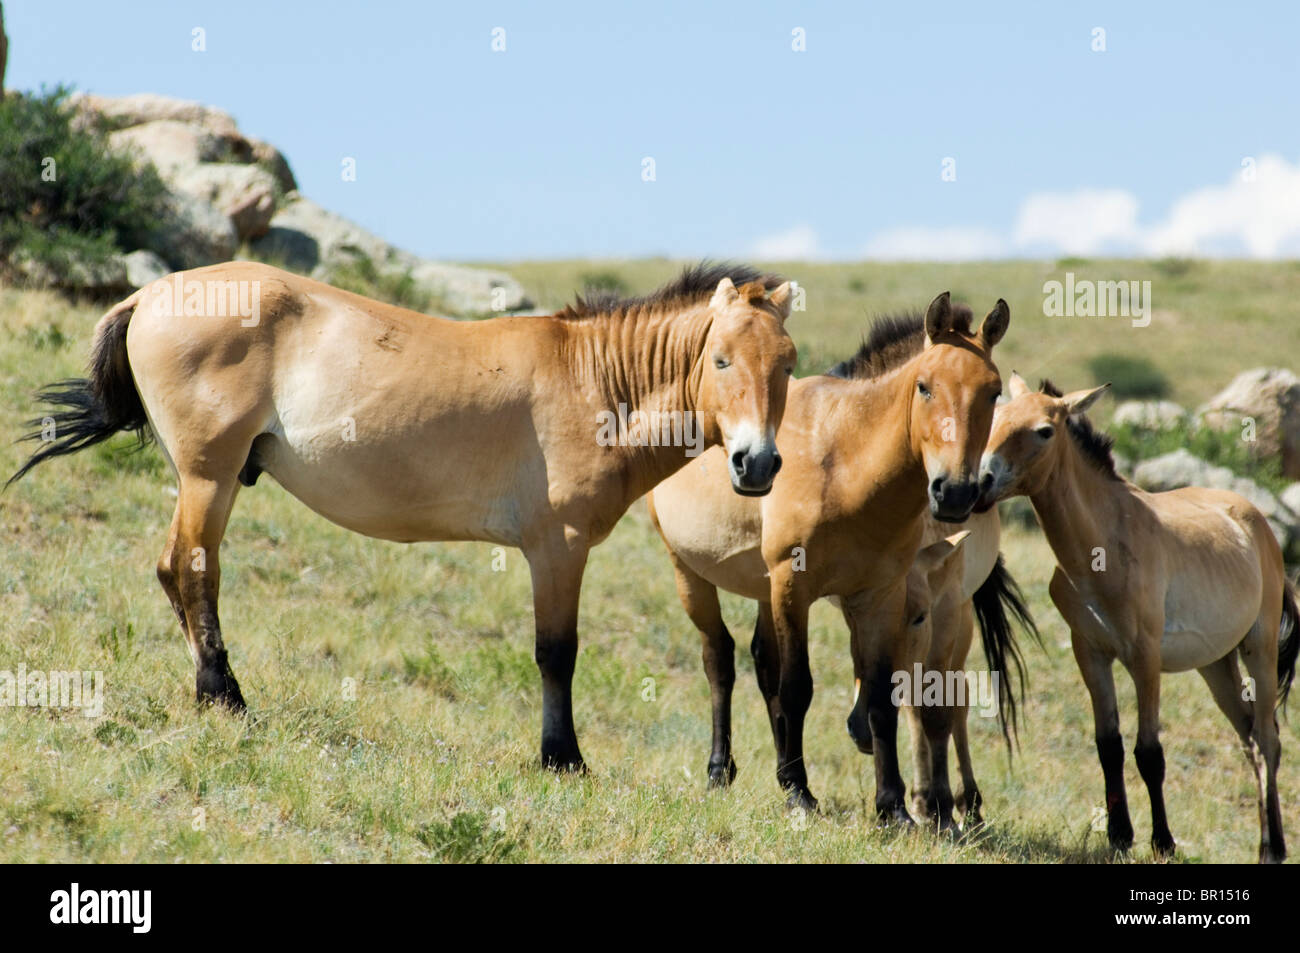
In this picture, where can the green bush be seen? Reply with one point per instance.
(1223, 448)
(361, 276)
(1129, 377)
(65, 195)
(605, 280)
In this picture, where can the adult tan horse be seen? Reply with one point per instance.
(945, 601)
(843, 520)
(408, 427)
(1164, 582)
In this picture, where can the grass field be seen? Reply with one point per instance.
(394, 702)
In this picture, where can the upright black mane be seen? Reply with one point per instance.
(1095, 445)
(696, 282)
(893, 340)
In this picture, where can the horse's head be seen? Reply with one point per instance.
(746, 366)
(1025, 445)
(954, 390)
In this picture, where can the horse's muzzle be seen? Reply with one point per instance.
(951, 501)
(752, 471)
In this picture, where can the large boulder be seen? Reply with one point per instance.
(170, 145)
(191, 233)
(1181, 468)
(143, 267)
(1270, 396)
(243, 193)
(1149, 414)
(309, 238)
(121, 112)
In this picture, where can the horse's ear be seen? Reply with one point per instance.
(938, 318)
(1016, 386)
(725, 294)
(995, 325)
(1080, 400)
(782, 299)
(937, 555)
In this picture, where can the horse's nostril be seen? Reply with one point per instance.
(986, 482)
(936, 489)
(738, 461)
(776, 464)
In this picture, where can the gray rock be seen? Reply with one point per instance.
(244, 193)
(1270, 396)
(1149, 414)
(143, 267)
(306, 237)
(1180, 468)
(96, 277)
(191, 233)
(172, 146)
(122, 112)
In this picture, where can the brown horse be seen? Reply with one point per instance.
(1164, 582)
(407, 427)
(844, 519)
(944, 604)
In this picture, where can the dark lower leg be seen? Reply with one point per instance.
(1151, 765)
(556, 657)
(720, 666)
(1119, 829)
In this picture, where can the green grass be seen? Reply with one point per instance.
(395, 706)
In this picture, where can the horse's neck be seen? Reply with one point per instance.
(882, 466)
(1080, 510)
(647, 365)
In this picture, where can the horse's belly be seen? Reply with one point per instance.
(407, 497)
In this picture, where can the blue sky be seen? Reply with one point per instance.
(837, 151)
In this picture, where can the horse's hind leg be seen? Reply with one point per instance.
(190, 573)
(921, 756)
(968, 799)
(700, 599)
(1259, 652)
(937, 722)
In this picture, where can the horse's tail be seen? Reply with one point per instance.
(996, 595)
(1288, 642)
(87, 411)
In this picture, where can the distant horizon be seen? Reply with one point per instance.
(768, 132)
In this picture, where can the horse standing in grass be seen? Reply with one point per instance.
(944, 604)
(407, 427)
(1163, 582)
(862, 457)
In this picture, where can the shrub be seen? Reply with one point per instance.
(362, 277)
(1223, 448)
(65, 195)
(606, 280)
(1129, 377)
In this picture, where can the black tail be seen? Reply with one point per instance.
(89, 411)
(1288, 643)
(998, 593)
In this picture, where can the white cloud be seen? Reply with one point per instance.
(795, 244)
(955, 243)
(1259, 218)
(1077, 223)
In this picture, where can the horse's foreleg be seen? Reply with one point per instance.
(700, 599)
(922, 777)
(882, 718)
(794, 691)
(557, 581)
(190, 573)
(1148, 752)
(1100, 681)
(936, 721)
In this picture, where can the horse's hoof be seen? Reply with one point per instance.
(570, 763)
(1120, 835)
(1163, 847)
(1269, 856)
(721, 776)
(895, 816)
(218, 688)
(801, 799)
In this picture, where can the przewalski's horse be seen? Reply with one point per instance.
(944, 603)
(845, 519)
(1164, 582)
(407, 427)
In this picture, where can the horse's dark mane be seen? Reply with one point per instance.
(893, 340)
(696, 282)
(1096, 446)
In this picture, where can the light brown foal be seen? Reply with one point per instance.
(408, 427)
(1163, 582)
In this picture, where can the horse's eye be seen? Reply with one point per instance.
(721, 363)
(923, 390)
(1045, 431)
(789, 372)
(919, 619)
(995, 397)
